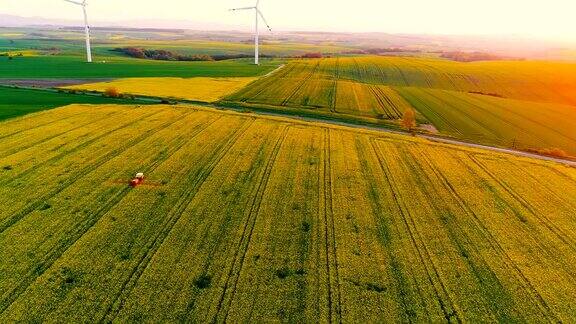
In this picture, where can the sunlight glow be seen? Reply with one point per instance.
(551, 19)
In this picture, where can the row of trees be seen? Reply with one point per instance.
(161, 55)
(471, 56)
(164, 55)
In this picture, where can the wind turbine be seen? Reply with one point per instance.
(83, 4)
(258, 15)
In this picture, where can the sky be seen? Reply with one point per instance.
(550, 19)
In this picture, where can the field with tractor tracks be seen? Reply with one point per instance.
(244, 218)
(520, 104)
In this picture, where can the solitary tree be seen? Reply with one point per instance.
(409, 120)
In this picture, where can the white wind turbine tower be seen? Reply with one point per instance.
(83, 4)
(258, 15)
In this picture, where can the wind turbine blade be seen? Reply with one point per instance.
(236, 9)
(76, 2)
(257, 3)
(264, 19)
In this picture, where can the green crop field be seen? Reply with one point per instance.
(497, 121)
(74, 67)
(18, 102)
(519, 104)
(259, 219)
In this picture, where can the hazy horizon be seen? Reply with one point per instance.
(443, 17)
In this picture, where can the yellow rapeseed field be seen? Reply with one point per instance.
(198, 89)
(244, 218)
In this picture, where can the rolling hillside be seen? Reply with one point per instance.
(520, 104)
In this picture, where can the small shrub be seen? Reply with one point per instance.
(305, 226)
(68, 278)
(375, 287)
(124, 255)
(45, 206)
(7, 167)
(300, 272)
(203, 281)
(283, 273)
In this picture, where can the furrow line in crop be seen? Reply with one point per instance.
(58, 251)
(396, 112)
(424, 256)
(248, 230)
(195, 182)
(301, 85)
(319, 252)
(382, 100)
(389, 107)
(428, 68)
(399, 69)
(83, 172)
(324, 213)
(331, 229)
(335, 86)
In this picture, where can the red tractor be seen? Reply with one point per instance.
(138, 180)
